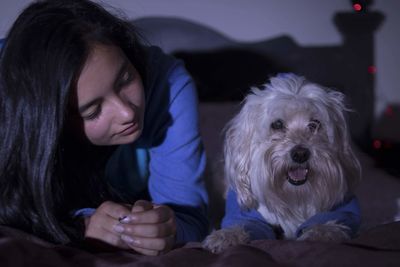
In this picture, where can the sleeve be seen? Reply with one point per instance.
(250, 220)
(347, 213)
(177, 157)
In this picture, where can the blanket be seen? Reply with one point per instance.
(379, 246)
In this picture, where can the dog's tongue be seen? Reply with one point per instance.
(298, 176)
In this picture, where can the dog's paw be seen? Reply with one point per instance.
(220, 240)
(330, 231)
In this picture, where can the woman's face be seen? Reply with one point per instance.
(110, 97)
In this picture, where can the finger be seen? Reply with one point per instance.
(142, 205)
(138, 207)
(128, 206)
(151, 230)
(101, 228)
(159, 244)
(113, 210)
(159, 214)
(108, 238)
(101, 221)
(147, 252)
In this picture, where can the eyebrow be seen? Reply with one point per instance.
(123, 67)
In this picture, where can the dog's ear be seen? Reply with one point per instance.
(352, 169)
(237, 154)
(341, 135)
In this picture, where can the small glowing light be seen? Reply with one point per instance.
(372, 69)
(389, 111)
(377, 144)
(357, 7)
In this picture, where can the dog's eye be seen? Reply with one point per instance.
(314, 125)
(277, 125)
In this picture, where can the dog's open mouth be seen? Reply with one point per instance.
(297, 176)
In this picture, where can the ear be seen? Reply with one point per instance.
(349, 161)
(237, 154)
(352, 169)
(336, 110)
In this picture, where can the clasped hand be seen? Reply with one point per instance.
(144, 227)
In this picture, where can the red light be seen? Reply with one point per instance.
(357, 7)
(377, 144)
(389, 111)
(372, 69)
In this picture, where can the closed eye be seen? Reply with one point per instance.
(126, 76)
(94, 114)
(91, 110)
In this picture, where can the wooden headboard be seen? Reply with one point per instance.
(225, 69)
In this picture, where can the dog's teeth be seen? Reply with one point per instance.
(297, 176)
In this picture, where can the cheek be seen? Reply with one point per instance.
(97, 132)
(136, 94)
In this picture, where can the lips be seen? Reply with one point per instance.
(297, 176)
(129, 130)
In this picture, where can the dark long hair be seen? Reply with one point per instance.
(40, 63)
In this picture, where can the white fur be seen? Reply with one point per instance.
(257, 157)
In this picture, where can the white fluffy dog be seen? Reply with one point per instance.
(288, 155)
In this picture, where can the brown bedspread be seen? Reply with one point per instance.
(379, 246)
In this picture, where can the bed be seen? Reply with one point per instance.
(224, 70)
(379, 246)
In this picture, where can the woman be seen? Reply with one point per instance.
(97, 128)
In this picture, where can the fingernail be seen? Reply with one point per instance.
(132, 218)
(124, 219)
(130, 239)
(137, 209)
(118, 228)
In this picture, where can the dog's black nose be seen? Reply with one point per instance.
(300, 154)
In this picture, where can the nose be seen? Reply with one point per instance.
(300, 154)
(124, 110)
